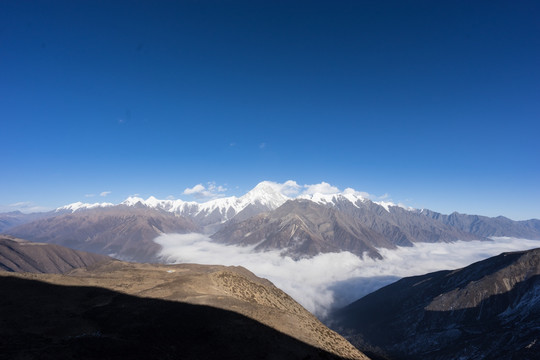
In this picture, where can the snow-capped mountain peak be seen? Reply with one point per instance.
(266, 193)
(132, 200)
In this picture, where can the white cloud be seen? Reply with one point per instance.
(213, 188)
(194, 190)
(104, 193)
(322, 188)
(21, 204)
(89, 195)
(289, 188)
(210, 191)
(350, 191)
(336, 279)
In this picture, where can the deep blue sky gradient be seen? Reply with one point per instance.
(435, 103)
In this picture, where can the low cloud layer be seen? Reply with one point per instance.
(332, 280)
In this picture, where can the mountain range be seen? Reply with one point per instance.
(266, 217)
(488, 310)
(124, 232)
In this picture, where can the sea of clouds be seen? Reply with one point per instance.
(332, 280)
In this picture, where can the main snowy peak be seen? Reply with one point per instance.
(266, 193)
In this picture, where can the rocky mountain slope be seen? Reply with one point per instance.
(17, 255)
(119, 231)
(305, 228)
(119, 310)
(488, 310)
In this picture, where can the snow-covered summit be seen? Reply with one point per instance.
(266, 193)
(334, 197)
(82, 206)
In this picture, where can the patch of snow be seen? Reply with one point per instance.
(385, 204)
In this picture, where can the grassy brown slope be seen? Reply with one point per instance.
(125, 310)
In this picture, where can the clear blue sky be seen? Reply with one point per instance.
(435, 103)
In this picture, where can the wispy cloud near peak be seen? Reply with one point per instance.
(210, 191)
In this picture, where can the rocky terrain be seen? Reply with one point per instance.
(119, 310)
(306, 228)
(17, 255)
(488, 310)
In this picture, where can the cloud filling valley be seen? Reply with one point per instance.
(332, 280)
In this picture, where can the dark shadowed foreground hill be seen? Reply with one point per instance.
(488, 310)
(122, 310)
(18, 255)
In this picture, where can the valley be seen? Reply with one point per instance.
(325, 250)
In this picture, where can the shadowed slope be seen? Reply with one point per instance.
(18, 255)
(490, 309)
(44, 321)
(124, 310)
